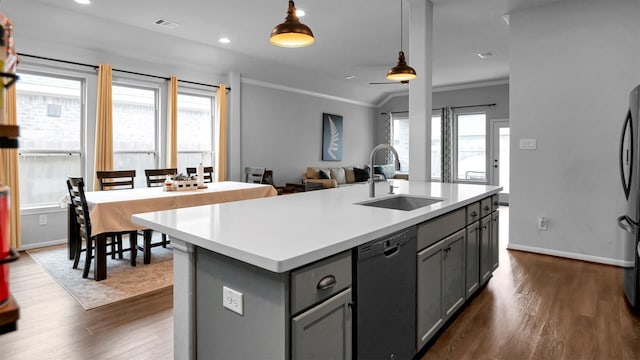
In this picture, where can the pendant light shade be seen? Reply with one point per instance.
(291, 33)
(402, 71)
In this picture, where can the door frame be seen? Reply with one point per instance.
(494, 146)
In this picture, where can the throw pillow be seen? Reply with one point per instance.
(312, 173)
(360, 174)
(323, 174)
(349, 175)
(339, 175)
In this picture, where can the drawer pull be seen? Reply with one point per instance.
(487, 207)
(326, 282)
(474, 214)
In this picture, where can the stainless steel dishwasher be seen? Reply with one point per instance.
(385, 297)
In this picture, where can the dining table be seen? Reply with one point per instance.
(110, 211)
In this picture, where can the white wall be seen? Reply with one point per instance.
(282, 131)
(573, 64)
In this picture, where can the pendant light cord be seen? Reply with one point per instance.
(401, 25)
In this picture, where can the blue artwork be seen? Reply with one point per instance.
(331, 137)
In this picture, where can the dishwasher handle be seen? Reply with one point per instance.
(390, 251)
(624, 224)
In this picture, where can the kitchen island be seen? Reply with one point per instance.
(241, 269)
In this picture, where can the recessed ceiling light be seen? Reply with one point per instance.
(486, 54)
(224, 40)
(350, 77)
(300, 12)
(83, 2)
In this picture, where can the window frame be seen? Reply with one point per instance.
(193, 91)
(392, 118)
(67, 74)
(157, 90)
(456, 179)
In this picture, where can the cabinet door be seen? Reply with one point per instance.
(472, 278)
(485, 249)
(429, 293)
(324, 331)
(453, 272)
(495, 240)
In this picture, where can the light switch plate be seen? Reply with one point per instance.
(233, 300)
(528, 144)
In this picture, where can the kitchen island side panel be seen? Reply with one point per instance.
(258, 333)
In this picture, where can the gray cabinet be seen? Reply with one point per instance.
(485, 249)
(321, 327)
(472, 278)
(495, 240)
(440, 284)
(324, 331)
(429, 293)
(453, 272)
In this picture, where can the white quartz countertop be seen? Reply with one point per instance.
(282, 233)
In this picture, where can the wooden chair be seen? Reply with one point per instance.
(253, 174)
(208, 173)
(156, 177)
(116, 180)
(83, 221)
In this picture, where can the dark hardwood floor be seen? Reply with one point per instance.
(534, 307)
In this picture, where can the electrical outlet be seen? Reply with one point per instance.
(543, 222)
(232, 300)
(42, 220)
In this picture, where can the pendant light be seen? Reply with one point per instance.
(291, 33)
(402, 71)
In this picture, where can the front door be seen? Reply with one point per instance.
(500, 162)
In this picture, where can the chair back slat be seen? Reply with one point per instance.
(254, 174)
(207, 170)
(116, 180)
(81, 209)
(156, 177)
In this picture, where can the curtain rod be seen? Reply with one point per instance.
(453, 107)
(95, 67)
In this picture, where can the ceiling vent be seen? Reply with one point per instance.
(166, 23)
(487, 54)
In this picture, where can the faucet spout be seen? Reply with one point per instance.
(372, 189)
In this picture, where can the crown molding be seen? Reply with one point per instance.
(265, 84)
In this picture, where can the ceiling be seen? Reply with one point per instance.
(355, 37)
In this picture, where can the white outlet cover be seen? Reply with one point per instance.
(528, 144)
(233, 300)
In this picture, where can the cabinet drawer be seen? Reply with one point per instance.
(473, 213)
(495, 202)
(433, 230)
(318, 281)
(485, 207)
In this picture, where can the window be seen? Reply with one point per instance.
(50, 113)
(195, 130)
(400, 139)
(436, 147)
(134, 130)
(471, 147)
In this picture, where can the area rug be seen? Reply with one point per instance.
(123, 280)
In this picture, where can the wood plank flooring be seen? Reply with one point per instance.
(534, 307)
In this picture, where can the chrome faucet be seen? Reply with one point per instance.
(372, 189)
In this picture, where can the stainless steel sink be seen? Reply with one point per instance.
(401, 202)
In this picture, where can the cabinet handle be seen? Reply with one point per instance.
(474, 214)
(326, 282)
(487, 207)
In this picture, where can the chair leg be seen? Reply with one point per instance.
(147, 247)
(76, 256)
(119, 243)
(133, 244)
(164, 240)
(87, 260)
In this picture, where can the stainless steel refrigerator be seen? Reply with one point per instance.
(630, 222)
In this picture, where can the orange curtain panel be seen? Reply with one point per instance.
(221, 133)
(104, 123)
(172, 123)
(9, 172)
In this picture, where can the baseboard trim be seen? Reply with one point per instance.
(42, 244)
(570, 255)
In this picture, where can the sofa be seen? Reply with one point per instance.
(332, 177)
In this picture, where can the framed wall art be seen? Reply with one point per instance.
(331, 137)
